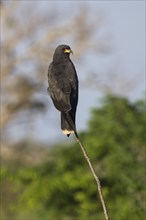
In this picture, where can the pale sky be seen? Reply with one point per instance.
(125, 20)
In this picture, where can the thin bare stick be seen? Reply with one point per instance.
(94, 175)
(91, 167)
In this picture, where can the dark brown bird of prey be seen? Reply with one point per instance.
(63, 87)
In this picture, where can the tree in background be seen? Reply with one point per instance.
(29, 36)
(62, 186)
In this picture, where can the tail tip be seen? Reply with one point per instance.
(67, 132)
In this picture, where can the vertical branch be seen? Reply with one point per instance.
(95, 177)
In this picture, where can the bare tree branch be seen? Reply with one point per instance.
(94, 175)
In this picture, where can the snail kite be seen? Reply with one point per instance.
(63, 87)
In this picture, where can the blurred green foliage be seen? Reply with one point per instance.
(62, 186)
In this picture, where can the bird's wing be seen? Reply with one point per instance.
(60, 99)
(60, 92)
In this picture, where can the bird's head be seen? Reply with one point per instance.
(62, 51)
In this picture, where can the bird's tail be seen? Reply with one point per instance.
(67, 124)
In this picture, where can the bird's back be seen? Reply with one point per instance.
(63, 84)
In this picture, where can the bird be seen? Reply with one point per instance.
(63, 87)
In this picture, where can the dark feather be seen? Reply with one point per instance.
(63, 86)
